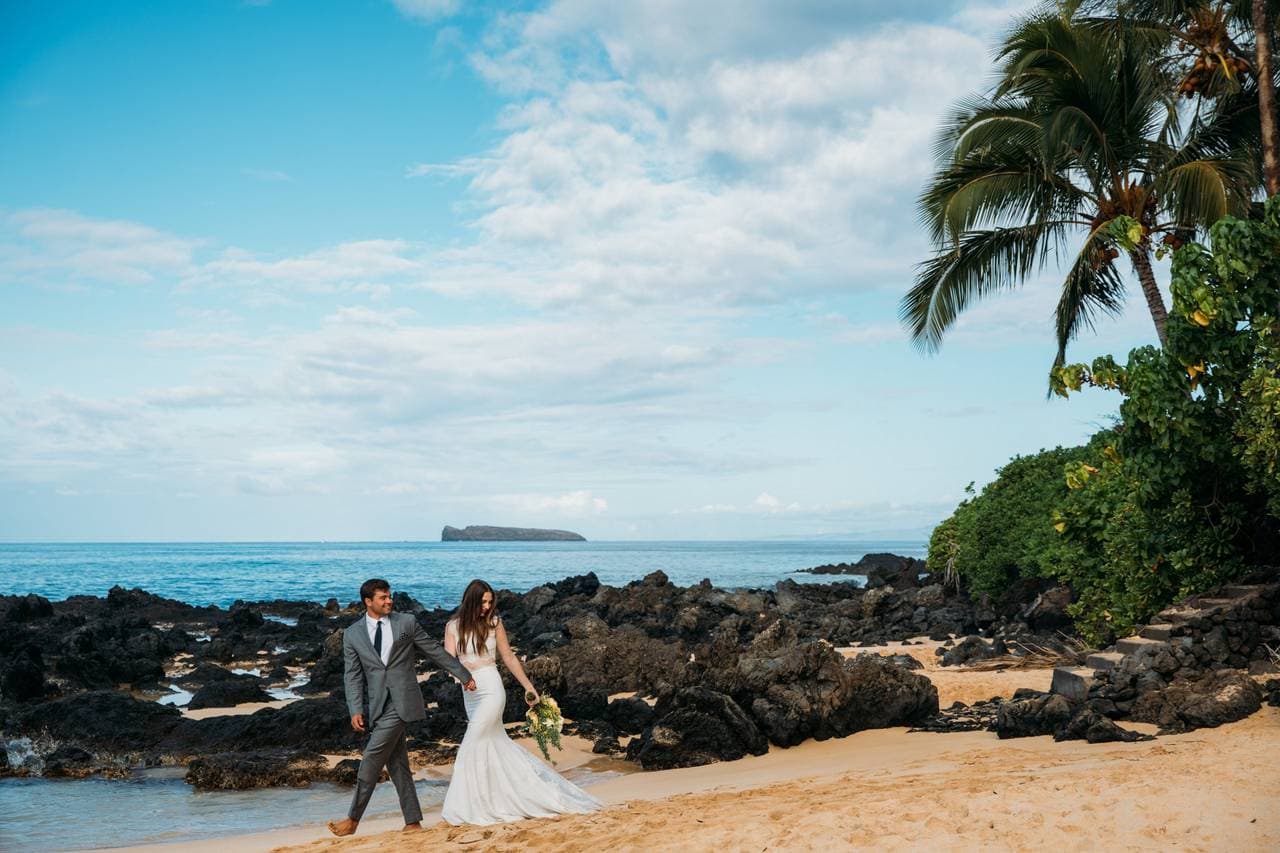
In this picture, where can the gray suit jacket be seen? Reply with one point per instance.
(398, 680)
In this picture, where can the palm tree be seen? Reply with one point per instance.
(1082, 128)
(1216, 44)
(1261, 18)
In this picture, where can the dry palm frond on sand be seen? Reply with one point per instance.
(1033, 656)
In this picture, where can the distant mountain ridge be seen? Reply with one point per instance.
(485, 533)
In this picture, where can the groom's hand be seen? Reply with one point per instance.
(470, 685)
(357, 722)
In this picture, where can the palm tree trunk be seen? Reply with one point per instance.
(1141, 260)
(1266, 97)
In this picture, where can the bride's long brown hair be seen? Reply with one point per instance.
(471, 622)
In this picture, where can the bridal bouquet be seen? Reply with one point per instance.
(543, 723)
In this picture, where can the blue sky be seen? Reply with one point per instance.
(356, 270)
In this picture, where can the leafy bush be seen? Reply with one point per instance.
(1006, 532)
(1186, 493)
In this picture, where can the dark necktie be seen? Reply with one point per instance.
(377, 639)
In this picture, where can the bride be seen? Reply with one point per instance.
(495, 780)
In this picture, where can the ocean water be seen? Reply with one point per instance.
(157, 807)
(435, 573)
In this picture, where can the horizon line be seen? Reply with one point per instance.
(828, 537)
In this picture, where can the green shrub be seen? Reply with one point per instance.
(1186, 494)
(1006, 532)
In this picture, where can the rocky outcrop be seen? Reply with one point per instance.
(972, 650)
(878, 569)
(22, 675)
(326, 673)
(18, 609)
(1209, 701)
(1187, 670)
(229, 693)
(70, 762)
(697, 726)
(1033, 715)
(346, 772)
(809, 691)
(629, 715)
(320, 725)
(789, 693)
(1051, 714)
(239, 771)
(99, 720)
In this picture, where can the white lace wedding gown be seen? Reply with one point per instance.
(495, 780)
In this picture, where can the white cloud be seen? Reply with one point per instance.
(401, 489)
(443, 170)
(986, 17)
(844, 331)
(855, 518)
(305, 459)
(61, 245)
(684, 168)
(359, 315)
(575, 504)
(346, 263)
(265, 485)
(766, 501)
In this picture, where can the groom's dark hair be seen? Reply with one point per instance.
(372, 585)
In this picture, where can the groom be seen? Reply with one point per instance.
(379, 652)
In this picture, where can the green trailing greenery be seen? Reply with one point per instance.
(1006, 532)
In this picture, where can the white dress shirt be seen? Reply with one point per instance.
(372, 625)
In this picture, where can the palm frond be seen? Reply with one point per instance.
(979, 264)
(1089, 289)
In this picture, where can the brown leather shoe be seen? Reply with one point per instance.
(413, 827)
(346, 826)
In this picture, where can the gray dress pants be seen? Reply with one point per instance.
(386, 748)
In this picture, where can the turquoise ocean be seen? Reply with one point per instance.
(435, 573)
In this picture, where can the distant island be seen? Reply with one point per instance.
(483, 533)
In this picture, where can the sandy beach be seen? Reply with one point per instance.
(1208, 790)
(1213, 789)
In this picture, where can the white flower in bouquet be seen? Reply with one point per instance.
(544, 723)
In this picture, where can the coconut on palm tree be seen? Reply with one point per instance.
(1082, 133)
(1215, 45)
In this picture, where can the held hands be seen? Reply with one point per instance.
(357, 722)
(470, 685)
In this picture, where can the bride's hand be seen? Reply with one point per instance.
(531, 697)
